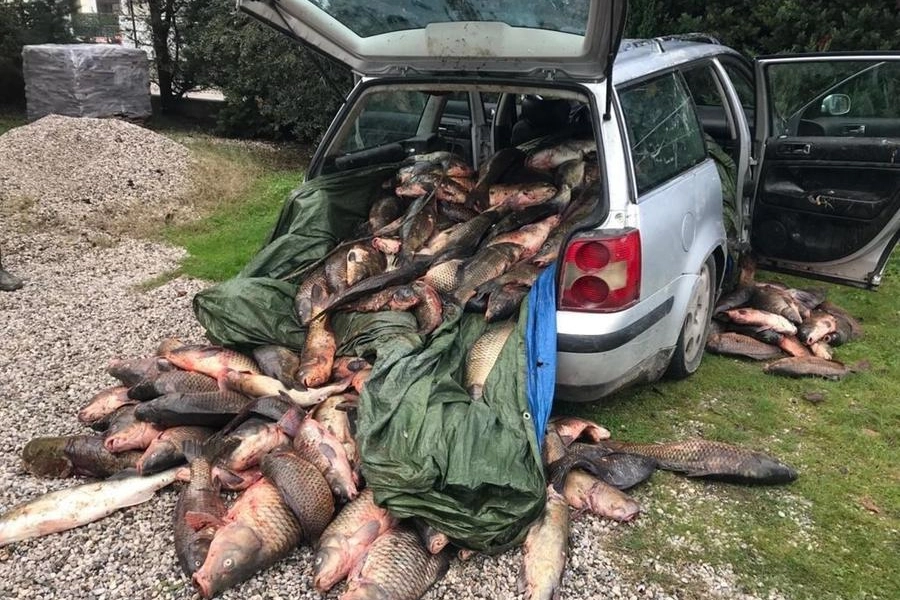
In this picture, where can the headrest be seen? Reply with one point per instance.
(545, 112)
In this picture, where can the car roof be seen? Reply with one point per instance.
(637, 58)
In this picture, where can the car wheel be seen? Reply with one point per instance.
(692, 340)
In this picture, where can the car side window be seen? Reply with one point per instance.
(743, 85)
(386, 117)
(663, 128)
(835, 98)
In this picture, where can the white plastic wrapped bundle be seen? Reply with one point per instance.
(86, 80)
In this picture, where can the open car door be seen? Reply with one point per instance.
(828, 183)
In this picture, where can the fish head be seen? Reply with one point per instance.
(233, 557)
(817, 327)
(405, 297)
(235, 480)
(541, 191)
(386, 245)
(329, 566)
(160, 455)
(621, 508)
(45, 457)
(197, 550)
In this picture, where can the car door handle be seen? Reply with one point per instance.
(854, 129)
(803, 149)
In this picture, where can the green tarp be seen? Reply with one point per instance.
(470, 468)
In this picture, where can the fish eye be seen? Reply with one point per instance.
(228, 563)
(318, 560)
(198, 563)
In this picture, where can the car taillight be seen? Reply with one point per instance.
(601, 274)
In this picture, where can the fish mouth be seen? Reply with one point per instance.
(203, 584)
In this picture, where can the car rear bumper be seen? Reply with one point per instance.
(648, 370)
(604, 342)
(599, 354)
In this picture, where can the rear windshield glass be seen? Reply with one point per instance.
(376, 17)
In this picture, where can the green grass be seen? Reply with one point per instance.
(239, 188)
(222, 243)
(10, 118)
(814, 538)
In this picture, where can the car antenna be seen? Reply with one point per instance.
(332, 86)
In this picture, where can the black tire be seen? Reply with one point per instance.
(692, 340)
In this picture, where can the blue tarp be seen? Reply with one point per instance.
(540, 349)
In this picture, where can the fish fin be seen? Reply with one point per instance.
(219, 445)
(578, 513)
(191, 449)
(124, 474)
(522, 580)
(197, 520)
(699, 473)
(222, 381)
(291, 420)
(557, 471)
(364, 534)
(350, 403)
(328, 452)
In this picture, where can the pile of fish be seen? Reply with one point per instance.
(436, 234)
(766, 321)
(200, 414)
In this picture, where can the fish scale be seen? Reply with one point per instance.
(736, 344)
(213, 409)
(303, 488)
(265, 510)
(483, 355)
(210, 360)
(200, 497)
(260, 529)
(445, 276)
(172, 382)
(396, 566)
(489, 263)
(346, 538)
(315, 444)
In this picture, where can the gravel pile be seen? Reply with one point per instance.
(82, 305)
(81, 174)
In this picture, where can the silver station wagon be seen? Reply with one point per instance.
(700, 154)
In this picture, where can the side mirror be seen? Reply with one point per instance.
(836, 104)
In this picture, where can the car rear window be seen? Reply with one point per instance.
(663, 129)
(376, 17)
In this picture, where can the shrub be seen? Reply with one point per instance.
(24, 22)
(273, 88)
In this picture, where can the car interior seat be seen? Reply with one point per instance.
(540, 116)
